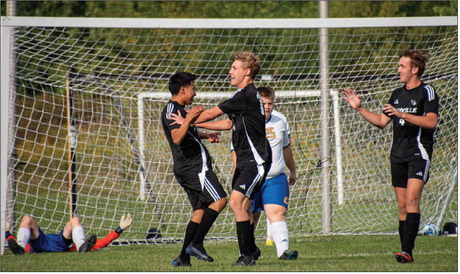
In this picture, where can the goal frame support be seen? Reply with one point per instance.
(334, 94)
(6, 85)
(8, 24)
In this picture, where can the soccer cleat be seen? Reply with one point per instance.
(88, 244)
(269, 243)
(256, 254)
(178, 262)
(245, 260)
(404, 257)
(199, 253)
(15, 248)
(289, 255)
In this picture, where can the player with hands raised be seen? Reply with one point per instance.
(413, 108)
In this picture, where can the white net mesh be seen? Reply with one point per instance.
(112, 67)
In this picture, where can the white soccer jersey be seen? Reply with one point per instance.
(278, 134)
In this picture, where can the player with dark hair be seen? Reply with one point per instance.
(414, 111)
(246, 116)
(274, 195)
(192, 167)
(125, 222)
(30, 233)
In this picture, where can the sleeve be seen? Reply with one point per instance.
(108, 239)
(286, 134)
(235, 104)
(167, 118)
(431, 100)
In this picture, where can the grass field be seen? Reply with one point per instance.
(316, 253)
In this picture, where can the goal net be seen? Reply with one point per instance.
(116, 72)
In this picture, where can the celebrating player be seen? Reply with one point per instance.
(274, 195)
(125, 222)
(246, 114)
(414, 111)
(192, 167)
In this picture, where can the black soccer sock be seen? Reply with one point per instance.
(208, 219)
(410, 231)
(243, 231)
(253, 239)
(190, 233)
(401, 231)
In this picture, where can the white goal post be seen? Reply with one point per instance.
(285, 95)
(120, 68)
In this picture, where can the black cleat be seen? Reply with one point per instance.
(404, 257)
(199, 253)
(289, 255)
(15, 248)
(245, 260)
(88, 244)
(178, 262)
(256, 254)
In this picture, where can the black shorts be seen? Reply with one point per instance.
(198, 195)
(415, 169)
(248, 179)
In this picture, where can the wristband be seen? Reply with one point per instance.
(119, 230)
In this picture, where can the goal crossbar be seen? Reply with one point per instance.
(309, 23)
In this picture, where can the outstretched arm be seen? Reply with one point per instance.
(209, 114)
(215, 125)
(125, 222)
(379, 120)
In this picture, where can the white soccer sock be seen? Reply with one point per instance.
(280, 235)
(23, 236)
(269, 234)
(78, 236)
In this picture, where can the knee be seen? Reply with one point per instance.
(412, 202)
(236, 205)
(402, 207)
(218, 205)
(221, 204)
(27, 221)
(276, 215)
(75, 221)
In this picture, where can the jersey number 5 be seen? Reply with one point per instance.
(270, 133)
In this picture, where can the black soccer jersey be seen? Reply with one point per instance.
(409, 141)
(245, 109)
(191, 156)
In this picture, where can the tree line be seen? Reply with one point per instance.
(231, 9)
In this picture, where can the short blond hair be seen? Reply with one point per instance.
(249, 60)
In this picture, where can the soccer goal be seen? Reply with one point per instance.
(81, 131)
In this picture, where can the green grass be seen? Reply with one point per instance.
(317, 253)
